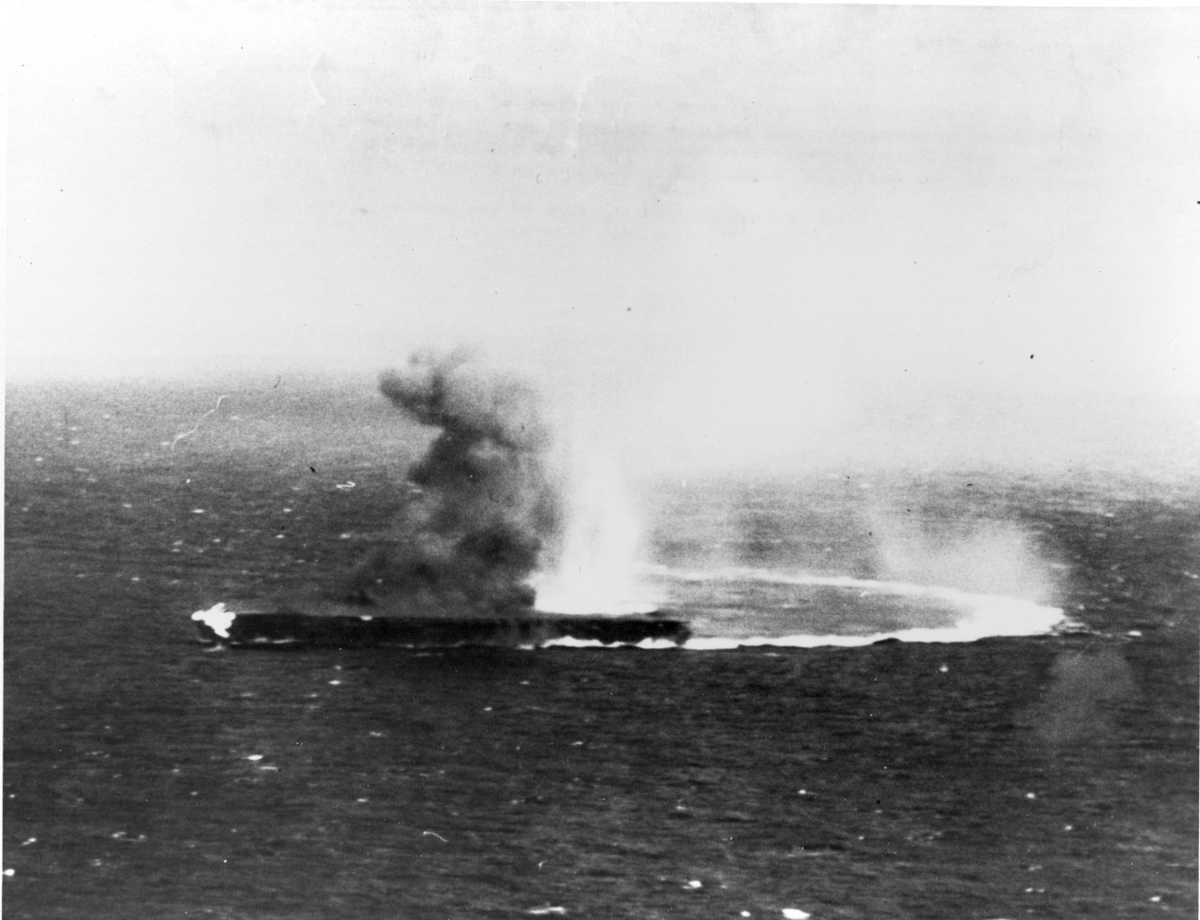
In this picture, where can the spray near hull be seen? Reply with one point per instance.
(333, 625)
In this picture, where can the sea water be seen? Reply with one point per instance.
(787, 761)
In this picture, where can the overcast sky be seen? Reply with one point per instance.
(743, 229)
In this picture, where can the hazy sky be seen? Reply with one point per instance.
(748, 228)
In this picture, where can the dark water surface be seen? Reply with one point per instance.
(1050, 776)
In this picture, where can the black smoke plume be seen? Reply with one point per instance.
(481, 503)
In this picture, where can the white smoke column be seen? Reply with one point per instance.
(594, 568)
(980, 556)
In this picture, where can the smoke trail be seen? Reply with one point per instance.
(481, 502)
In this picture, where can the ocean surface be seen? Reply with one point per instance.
(910, 694)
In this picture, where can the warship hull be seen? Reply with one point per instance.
(345, 626)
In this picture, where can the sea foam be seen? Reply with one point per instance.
(978, 616)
